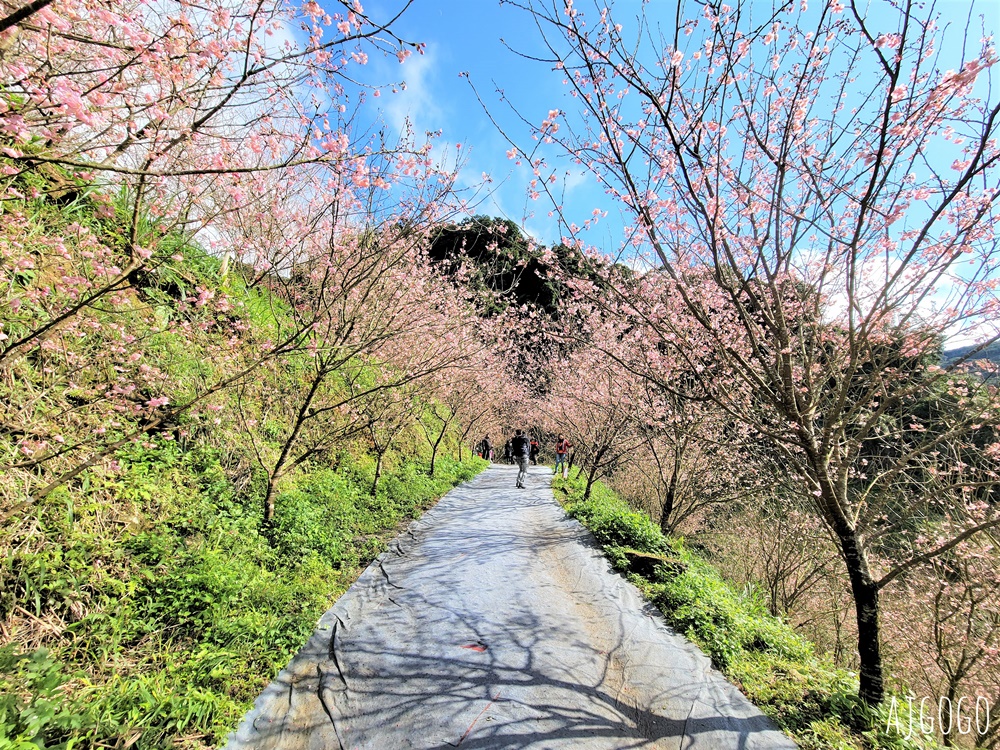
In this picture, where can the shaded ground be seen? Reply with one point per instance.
(495, 622)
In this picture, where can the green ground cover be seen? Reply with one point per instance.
(176, 623)
(144, 603)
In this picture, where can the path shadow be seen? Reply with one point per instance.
(494, 622)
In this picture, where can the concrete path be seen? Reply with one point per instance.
(495, 622)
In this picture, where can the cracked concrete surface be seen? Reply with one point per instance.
(495, 622)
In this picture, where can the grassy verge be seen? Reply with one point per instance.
(812, 701)
(171, 621)
(143, 601)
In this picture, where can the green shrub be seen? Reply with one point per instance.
(319, 515)
(188, 614)
(614, 523)
(164, 608)
(34, 710)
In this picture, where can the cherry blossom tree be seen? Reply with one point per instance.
(183, 108)
(960, 592)
(376, 319)
(817, 195)
(338, 258)
(603, 407)
(693, 460)
(385, 414)
(486, 393)
(467, 396)
(784, 551)
(210, 121)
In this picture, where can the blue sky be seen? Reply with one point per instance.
(465, 37)
(469, 36)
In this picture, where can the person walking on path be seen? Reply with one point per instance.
(487, 449)
(521, 447)
(534, 451)
(508, 452)
(562, 453)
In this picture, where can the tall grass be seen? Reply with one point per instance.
(166, 632)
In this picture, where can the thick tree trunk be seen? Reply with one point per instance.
(437, 444)
(272, 482)
(866, 603)
(670, 495)
(591, 476)
(666, 508)
(948, 730)
(864, 589)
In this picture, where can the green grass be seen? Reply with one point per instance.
(176, 625)
(806, 696)
(144, 603)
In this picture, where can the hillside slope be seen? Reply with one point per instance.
(144, 600)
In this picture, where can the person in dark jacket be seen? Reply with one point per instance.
(534, 451)
(521, 447)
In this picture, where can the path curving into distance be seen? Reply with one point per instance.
(495, 622)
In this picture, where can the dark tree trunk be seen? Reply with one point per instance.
(866, 603)
(590, 481)
(592, 475)
(378, 471)
(666, 508)
(301, 417)
(670, 496)
(948, 730)
(437, 444)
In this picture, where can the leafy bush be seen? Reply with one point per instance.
(34, 711)
(614, 523)
(725, 624)
(163, 608)
(318, 516)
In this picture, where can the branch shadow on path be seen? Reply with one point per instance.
(495, 622)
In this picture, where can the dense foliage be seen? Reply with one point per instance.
(148, 608)
(810, 193)
(229, 364)
(144, 600)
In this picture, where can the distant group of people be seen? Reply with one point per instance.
(522, 449)
(510, 457)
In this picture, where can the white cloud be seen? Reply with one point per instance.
(916, 294)
(416, 102)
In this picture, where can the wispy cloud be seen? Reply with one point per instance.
(416, 101)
